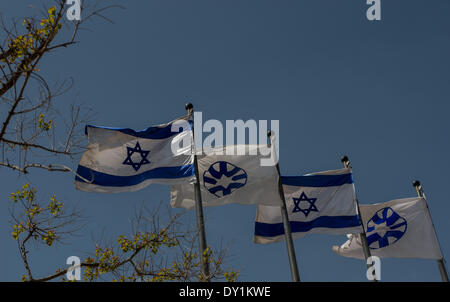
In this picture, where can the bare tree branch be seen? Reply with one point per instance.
(29, 123)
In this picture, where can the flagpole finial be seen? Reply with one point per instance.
(345, 161)
(189, 106)
(416, 183)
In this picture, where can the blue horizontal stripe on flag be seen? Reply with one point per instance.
(333, 222)
(317, 180)
(108, 180)
(150, 132)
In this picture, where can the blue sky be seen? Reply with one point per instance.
(338, 84)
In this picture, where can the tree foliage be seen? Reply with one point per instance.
(26, 98)
(153, 252)
(30, 131)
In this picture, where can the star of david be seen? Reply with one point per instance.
(312, 207)
(131, 151)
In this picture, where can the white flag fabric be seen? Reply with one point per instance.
(226, 179)
(123, 160)
(400, 228)
(321, 202)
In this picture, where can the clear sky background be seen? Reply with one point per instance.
(339, 84)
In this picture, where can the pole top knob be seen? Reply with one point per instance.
(344, 159)
(189, 106)
(416, 183)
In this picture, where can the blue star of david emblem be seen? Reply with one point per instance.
(223, 178)
(137, 149)
(385, 228)
(311, 208)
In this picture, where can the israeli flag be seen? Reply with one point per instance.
(124, 160)
(399, 228)
(321, 202)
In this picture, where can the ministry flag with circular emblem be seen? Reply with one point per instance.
(231, 174)
(399, 228)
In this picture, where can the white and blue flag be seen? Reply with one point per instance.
(226, 177)
(321, 202)
(399, 228)
(124, 160)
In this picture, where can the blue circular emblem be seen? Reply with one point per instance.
(223, 178)
(386, 227)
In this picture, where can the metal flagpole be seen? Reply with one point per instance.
(440, 262)
(287, 226)
(204, 261)
(345, 160)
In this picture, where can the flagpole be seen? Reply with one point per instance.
(287, 226)
(204, 261)
(440, 262)
(346, 161)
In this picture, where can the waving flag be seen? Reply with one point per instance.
(400, 228)
(228, 179)
(121, 159)
(322, 202)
